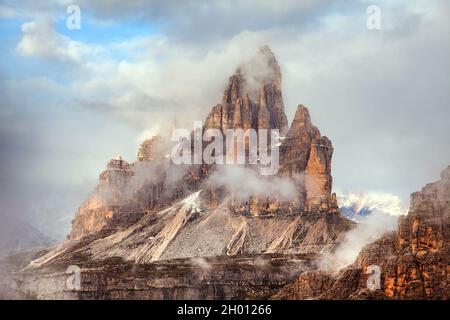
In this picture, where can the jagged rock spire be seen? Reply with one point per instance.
(241, 108)
(306, 153)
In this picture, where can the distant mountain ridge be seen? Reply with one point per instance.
(17, 236)
(357, 206)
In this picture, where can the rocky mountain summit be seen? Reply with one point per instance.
(129, 191)
(252, 99)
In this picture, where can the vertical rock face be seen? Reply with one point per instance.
(254, 100)
(117, 173)
(95, 213)
(146, 149)
(242, 108)
(413, 261)
(148, 185)
(318, 180)
(124, 193)
(151, 210)
(306, 156)
(156, 241)
(416, 264)
(271, 91)
(295, 149)
(426, 228)
(105, 202)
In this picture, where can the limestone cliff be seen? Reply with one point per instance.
(413, 261)
(126, 191)
(241, 108)
(105, 202)
(306, 156)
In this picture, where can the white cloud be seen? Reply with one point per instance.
(369, 230)
(8, 12)
(39, 38)
(244, 183)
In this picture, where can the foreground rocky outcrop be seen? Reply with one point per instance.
(414, 261)
(252, 99)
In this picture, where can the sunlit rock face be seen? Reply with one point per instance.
(105, 202)
(146, 150)
(128, 192)
(305, 156)
(253, 97)
(254, 101)
(413, 260)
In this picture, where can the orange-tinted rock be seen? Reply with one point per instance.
(306, 157)
(264, 117)
(318, 180)
(295, 149)
(414, 261)
(124, 193)
(239, 109)
(105, 202)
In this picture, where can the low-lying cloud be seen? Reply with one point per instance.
(369, 229)
(245, 182)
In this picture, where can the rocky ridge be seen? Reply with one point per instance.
(151, 212)
(413, 261)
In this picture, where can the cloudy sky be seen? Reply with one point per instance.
(71, 99)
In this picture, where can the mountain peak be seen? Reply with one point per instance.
(253, 97)
(302, 115)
